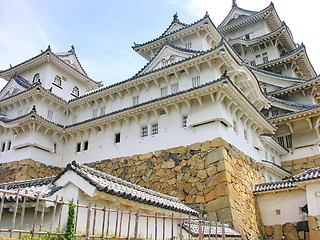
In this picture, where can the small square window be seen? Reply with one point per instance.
(196, 81)
(102, 110)
(85, 145)
(265, 59)
(247, 36)
(57, 81)
(135, 100)
(189, 45)
(174, 88)
(253, 63)
(278, 212)
(154, 128)
(75, 91)
(117, 138)
(78, 147)
(144, 131)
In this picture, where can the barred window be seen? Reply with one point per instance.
(154, 128)
(144, 131)
(174, 88)
(184, 121)
(57, 81)
(196, 81)
(285, 141)
(135, 100)
(164, 91)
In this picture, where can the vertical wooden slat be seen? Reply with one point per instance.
(35, 215)
(108, 224)
(180, 228)
(15, 213)
(1, 205)
(53, 212)
(172, 217)
(156, 226)
(200, 228)
(136, 227)
(88, 221)
(117, 218)
(77, 216)
(121, 218)
(223, 231)
(189, 232)
(216, 228)
(147, 228)
(163, 226)
(60, 214)
(94, 219)
(210, 223)
(103, 221)
(42, 216)
(129, 223)
(23, 209)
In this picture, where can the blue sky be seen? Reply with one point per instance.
(103, 31)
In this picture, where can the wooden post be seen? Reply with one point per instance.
(77, 213)
(23, 209)
(223, 231)
(53, 212)
(94, 219)
(172, 217)
(189, 234)
(147, 230)
(88, 221)
(136, 227)
(103, 221)
(1, 205)
(180, 228)
(200, 237)
(15, 213)
(129, 222)
(108, 224)
(121, 218)
(156, 226)
(116, 227)
(42, 217)
(216, 228)
(163, 226)
(209, 237)
(60, 214)
(35, 215)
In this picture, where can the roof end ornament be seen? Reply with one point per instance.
(175, 17)
(234, 3)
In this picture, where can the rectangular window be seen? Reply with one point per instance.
(184, 121)
(55, 148)
(85, 146)
(257, 56)
(253, 63)
(164, 91)
(144, 131)
(175, 88)
(117, 138)
(285, 141)
(57, 81)
(95, 113)
(265, 59)
(154, 128)
(50, 115)
(102, 110)
(9, 145)
(247, 36)
(78, 147)
(196, 81)
(3, 147)
(135, 100)
(188, 45)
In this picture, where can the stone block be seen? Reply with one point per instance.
(189, 199)
(205, 146)
(268, 230)
(200, 199)
(217, 204)
(216, 179)
(177, 150)
(158, 153)
(301, 235)
(202, 174)
(215, 155)
(218, 142)
(314, 234)
(170, 164)
(290, 231)
(195, 146)
(312, 222)
(278, 233)
(146, 156)
(224, 215)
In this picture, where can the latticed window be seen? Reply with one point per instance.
(188, 45)
(57, 81)
(174, 88)
(196, 81)
(154, 128)
(144, 131)
(184, 121)
(75, 91)
(135, 100)
(164, 91)
(285, 141)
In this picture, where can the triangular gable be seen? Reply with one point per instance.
(14, 86)
(235, 14)
(72, 60)
(166, 56)
(173, 27)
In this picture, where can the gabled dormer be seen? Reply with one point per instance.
(15, 85)
(175, 25)
(169, 54)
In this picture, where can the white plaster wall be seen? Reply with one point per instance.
(288, 202)
(313, 198)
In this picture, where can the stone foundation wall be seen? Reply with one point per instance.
(300, 165)
(25, 169)
(213, 176)
(292, 231)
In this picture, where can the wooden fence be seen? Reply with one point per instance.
(48, 217)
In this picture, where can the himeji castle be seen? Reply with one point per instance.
(229, 112)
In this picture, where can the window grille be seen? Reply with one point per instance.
(196, 81)
(154, 129)
(144, 131)
(164, 91)
(135, 100)
(174, 88)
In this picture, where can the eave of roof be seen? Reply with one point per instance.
(295, 115)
